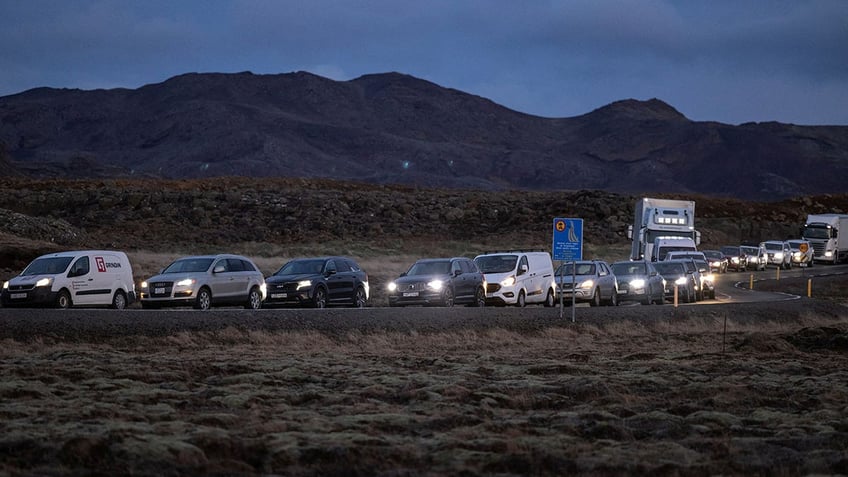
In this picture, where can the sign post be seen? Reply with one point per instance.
(568, 247)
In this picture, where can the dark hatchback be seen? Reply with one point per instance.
(318, 282)
(439, 282)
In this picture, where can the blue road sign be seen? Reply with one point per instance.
(568, 239)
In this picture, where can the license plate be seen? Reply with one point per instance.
(158, 291)
(18, 296)
(279, 295)
(410, 293)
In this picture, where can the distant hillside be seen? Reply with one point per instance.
(394, 128)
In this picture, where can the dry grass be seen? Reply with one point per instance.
(588, 399)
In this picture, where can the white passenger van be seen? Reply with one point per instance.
(66, 279)
(518, 277)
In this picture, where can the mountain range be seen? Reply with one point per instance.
(395, 128)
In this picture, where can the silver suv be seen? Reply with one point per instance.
(778, 253)
(206, 281)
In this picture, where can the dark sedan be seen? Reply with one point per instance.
(737, 258)
(439, 282)
(318, 283)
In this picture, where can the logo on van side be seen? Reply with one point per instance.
(102, 265)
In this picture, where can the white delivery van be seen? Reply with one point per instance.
(66, 279)
(518, 277)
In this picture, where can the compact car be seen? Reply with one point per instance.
(586, 281)
(639, 281)
(677, 275)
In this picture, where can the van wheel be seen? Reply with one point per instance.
(359, 298)
(204, 299)
(596, 298)
(119, 301)
(550, 300)
(63, 301)
(254, 299)
(522, 300)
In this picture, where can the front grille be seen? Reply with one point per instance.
(161, 289)
(818, 248)
(285, 287)
(20, 288)
(492, 287)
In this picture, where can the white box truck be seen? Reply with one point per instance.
(659, 220)
(828, 234)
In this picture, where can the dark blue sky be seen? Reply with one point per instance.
(714, 60)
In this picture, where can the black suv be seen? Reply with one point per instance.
(318, 282)
(439, 281)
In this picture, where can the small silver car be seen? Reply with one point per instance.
(206, 281)
(589, 281)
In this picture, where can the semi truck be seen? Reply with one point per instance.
(659, 223)
(828, 234)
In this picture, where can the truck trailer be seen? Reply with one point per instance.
(656, 220)
(828, 234)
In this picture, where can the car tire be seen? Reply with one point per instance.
(649, 297)
(119, 300)
(550, 300)
(319, 298)
(479, 298)
(360, 299)
(254, 299)
(203, 300)
(447, 297)
(712, 294)
(521, 302)
(613, 300)
(63, 300)
(596, 298)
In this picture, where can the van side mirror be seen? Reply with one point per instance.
(522, 269)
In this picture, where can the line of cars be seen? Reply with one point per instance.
(778, 253)
(512, 277)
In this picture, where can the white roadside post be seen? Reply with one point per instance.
(567, 247)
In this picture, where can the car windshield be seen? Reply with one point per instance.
(581, 269)
(712, 255)
(795, 245)
(665, 250)
(496, 263)
(669, 268)
(189, 265)
(47, 266)
(750, 250)
(774, 246)
(300, 267)
(626, 268)
(430, 268)
(731, 251)
(702, 265)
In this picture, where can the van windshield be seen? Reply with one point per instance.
(496, 263)
(189, 265)
(47, 266)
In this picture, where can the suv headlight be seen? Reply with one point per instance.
(778, 256)
(304, 284)
(44, 282)
(392, 286)
(185, 283)
(638, 283)
(681, 281)
(435, 285)
(5, 285)
(587, 284)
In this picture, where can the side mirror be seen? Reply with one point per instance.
(330, 272)
(653, 274)
(457, 273)
(219, 269)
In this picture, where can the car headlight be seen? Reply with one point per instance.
(681, 281)
(392, 286)
(185, 283)
(44, 282)
(587, 284)
(508, 281)
(304, 284)
(143, 285)
(5, 285)
(638, 283)
(778, 256)
(435, 285)
(709, 278)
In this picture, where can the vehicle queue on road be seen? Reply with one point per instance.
(501, 278)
